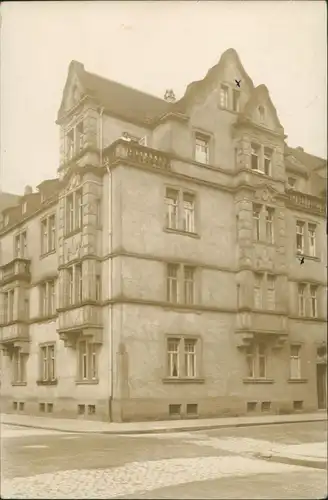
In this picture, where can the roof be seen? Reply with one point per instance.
(8, 200)
(310, 161)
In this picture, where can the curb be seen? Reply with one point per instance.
(312, 463)
(164, 430)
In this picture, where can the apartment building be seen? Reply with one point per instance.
(176, 265)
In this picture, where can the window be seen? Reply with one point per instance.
(79, 137)
(98, 212)
(21, 245)
(256, 360)
(188, 212)
(291, 183)
(172, 204)
(172, 283)
(74, 211)
(301, 299)
(236, 154)
(173, 357)
(271, 293)
(255, 160)
(312, 238)
(190, 358)
(256, 221)
(47, 298)
(24, 207)
(235, 100)
(48, 362)
(300, 236)
(70, 144)
(189, 284)
(202, 150)
(48, 234)
(74, 284)
(269, 224)
(182, 357)
(19, 366)
(8, 305)
(314, 306)
(98, 287)
(88, 361)
(224, 96)
(267, 161)
(258, 279)
(295, 362)
(261, 113)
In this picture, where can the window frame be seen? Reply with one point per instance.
(258, 290)
(74, 211)
(301, 287)
(236, 102)
(202, 141)
(312, 229)
(255, 354)
(224, 96)
(300, 233)
(182, 284)
(19, 372)
(48, 234)
(87, 361)
(256, 215)
(269, 225)
(48, 362)
(48, 298)
(74, 284)
(314, 301)
(187, 361)
(20, 250)
(295, 359)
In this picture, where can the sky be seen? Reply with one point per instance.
(153, 46)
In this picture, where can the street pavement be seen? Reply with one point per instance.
(220, 463)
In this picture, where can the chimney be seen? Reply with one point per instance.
(300, 149)
(28, 190)
(169, 96)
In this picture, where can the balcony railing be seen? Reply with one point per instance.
(14, 332)
(14, 270)
(135, 153)
(306, 201)
(80, 318)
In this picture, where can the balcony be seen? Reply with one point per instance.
(305, 202)
(264, 326)
(134, 153)
(15, 335)
(83, 321)
(17, 269)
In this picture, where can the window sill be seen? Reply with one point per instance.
(180, 231)
(19, 384)
(297, 380)
(183, 380)
(249, 380)
(46, 254)
(87, 382)
(307, 257)
(264, 242)
(47, 382)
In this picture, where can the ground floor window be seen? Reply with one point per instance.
(19, 366)
(87, 352)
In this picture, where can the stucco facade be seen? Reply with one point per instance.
(159, 276)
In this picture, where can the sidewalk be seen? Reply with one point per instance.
(93, 426)
(306, 454)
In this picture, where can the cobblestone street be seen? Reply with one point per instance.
(212, 464)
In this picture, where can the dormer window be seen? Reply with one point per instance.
(24, 207)
(6, 220)
(291, 182)
(235, 100)
(70, 144)
(261, 113)
(224, 96)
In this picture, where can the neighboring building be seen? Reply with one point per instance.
(159, 275)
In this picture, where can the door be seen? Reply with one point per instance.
(322, 385)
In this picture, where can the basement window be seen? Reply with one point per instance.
(81, 409)
(21, 406)
(42, 407)
(91, 409)
(266, 406)
(174, 410)
(251, 406)
(50, 407)
(192, 409)
(298, 405)
(15, 405)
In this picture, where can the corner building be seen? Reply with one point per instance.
(159, 274)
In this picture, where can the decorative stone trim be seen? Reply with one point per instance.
(183, 380)
(249, 380)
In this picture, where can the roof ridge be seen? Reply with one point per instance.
(126, 86)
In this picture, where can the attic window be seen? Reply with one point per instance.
(291, 182)
(24, 207)
(235, 100)
(261, 113)
(224, 96)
